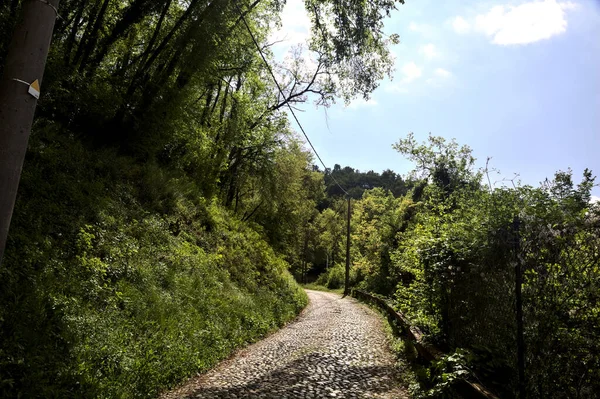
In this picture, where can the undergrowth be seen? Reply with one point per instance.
(120, 280)
(423, 380)
(334, 277)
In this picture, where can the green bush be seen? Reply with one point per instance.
(335, 277)
(119, 281)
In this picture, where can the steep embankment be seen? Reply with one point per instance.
(120, 279)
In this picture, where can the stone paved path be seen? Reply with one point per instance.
(336, 349)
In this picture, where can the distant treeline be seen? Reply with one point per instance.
(356, 182)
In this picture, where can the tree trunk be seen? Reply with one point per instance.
(87, 32)
(73, 34)
(167, 39)
(91, 44)
(132, 15)
(25, 61)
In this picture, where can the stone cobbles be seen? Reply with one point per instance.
(335, 349)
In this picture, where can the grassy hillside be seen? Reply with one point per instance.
(120, 279)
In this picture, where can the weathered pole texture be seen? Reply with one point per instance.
(305, 255)
(25, 63)
(347, 282)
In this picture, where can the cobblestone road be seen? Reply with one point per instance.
(336, 349)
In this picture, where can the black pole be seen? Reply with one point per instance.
(347, 282)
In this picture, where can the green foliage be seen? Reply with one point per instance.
(119, 280)
(437, 380)
(164, 198)
(376, 222)
(461, 251)
(446, 252)
(333, 278)
(356, 182)
(348, 37)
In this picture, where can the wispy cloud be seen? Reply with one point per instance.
(409, 73)
(415, 27)
(439, 78)
(460, 25)
(429, 51)
(526, 23)
(295, 25)
(424, 30)
(442, 73)
(362, 103)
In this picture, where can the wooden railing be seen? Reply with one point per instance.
(426, 350)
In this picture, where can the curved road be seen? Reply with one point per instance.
(336, 348)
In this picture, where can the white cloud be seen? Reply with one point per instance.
(429, 51)
(398, 87)
(295, 25)
(594, 199)
(362, 103)
(439, 78)
(423, 29)
(411, 72)
(414, 27)
(443, 73)
(460, 25)
(526, 23)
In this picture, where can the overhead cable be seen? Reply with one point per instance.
(243, 18)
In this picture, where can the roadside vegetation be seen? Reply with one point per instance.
(120, 279)
(459, 257)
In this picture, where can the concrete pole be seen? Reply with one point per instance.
(25, 63)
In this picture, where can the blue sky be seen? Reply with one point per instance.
(518, 81)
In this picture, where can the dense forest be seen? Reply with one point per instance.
(167, 211)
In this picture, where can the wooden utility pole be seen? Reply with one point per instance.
(305, 254)
(19, 91)
(347, 282)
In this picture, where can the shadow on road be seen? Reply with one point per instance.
(311, 376)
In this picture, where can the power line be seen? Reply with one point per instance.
(347, 277)
(283, 95)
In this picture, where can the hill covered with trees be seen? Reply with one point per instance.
(355, 182)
